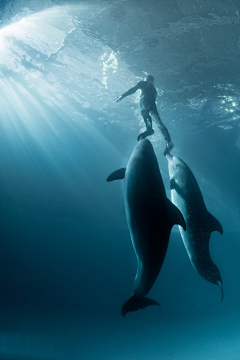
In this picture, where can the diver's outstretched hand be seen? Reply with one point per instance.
(119, 99)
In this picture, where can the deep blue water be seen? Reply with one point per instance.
(66, 259)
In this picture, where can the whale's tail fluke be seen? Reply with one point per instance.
(135, 303)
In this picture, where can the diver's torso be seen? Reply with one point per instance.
(148, 94)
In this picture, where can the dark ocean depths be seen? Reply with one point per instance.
(66, 259)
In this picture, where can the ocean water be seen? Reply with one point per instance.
(66, 259)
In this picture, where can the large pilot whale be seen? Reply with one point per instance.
(150, 217)
(186, 195)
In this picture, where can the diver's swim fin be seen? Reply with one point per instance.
(146, 133)
(168, 149)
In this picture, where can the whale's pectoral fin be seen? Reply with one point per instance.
(176, 217)
(214, 224)
(172, 184)
(135, 303)
(117, 175)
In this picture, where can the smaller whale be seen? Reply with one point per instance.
(150, 217)
(186, 195)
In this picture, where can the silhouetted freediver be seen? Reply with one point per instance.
(148, 106)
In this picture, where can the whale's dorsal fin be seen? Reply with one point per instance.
(214, 224)
(117, 175)
(175, 215)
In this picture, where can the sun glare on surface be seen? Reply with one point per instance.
(31, 81)
(52, 88)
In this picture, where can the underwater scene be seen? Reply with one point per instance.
(119, 179)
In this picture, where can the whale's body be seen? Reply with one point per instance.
(150, 217)
(186, 195)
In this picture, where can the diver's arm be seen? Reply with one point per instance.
(130, 91)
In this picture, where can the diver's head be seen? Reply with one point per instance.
(150, 78)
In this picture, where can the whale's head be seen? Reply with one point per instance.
(143, 156)
(144, 146)
(174, 165)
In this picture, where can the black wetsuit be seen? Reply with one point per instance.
(148, 105)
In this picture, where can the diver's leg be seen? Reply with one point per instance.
(164, 130)
(148, 122)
